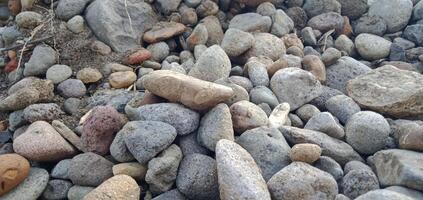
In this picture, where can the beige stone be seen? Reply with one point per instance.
(308, 153)
(122, 79)
(120, 187)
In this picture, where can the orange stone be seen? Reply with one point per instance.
(13, 170)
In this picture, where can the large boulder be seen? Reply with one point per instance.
(389, 90)
(109, 21)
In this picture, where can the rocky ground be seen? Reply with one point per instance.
(211, 99)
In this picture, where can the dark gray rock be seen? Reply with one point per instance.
(396, 13)
(370, 24)
(42, 58)
(326, 22)
(57, 189)
(77, 192)
(353, 8)
(306, 112)
(61, 169)
(262, 94)
(89, 169)
(358, 182)
(317, 7)
(190, 145)
(326, 123)
(327, 93)
(67, 9)
(282, 23)
(72, 88)
(171, 195)
(236, 42)
(251, 22)
(413, 33)
(330, 166)
(118, 148)
(342, 107)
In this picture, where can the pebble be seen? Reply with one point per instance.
(383, 194)
(135, 170)
(159, 51)
(372, 47)
(81, 169)
(77, 192)
(66, 9)
(307, 111)
(345, 44)
(42, 112)
(137, 57)
(330, 166)
(353, 9)
(60, 170)
(317, 7)
(162, 31)
(307, 153)
(56, 189)
(42, 58)
(58, 73)
(326, 22)
(238, 174)
(117, 187)
(282, 23)
(28, 19)
(239, 93)
(246, 115)
(236, 42)
(68, 134)
(358, 182)
(251, 22)
(13, 169)
(398, 16)
(325, 122)
(342, 107)
(122, 79)
(412, 33)
(330, 56)
(101, 48)
(76, 24)
(72, 88)
(265, 44)
(371, 25)
(213, 64)
(31, 188)
(41, 142)
(262, 94)
(89, 75)
(171, 195)
(257, 73)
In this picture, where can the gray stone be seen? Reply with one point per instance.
(214, 30)
(190, 145)
(118, 149)
(326, 123)
(326, 22)
(265, 44)
(183, 119)
(268, 147)
(16, 120)
(317, 7)
(214, 126)
(295, 86)
(171, 194)
(306, 112)
(383, 195)
(372, 47)
(342, 107)
(159, 51)
(146, 139)
(162, 170)
(302, 181)
(236, 42)
(262, 94)
(326, 94)
(197, 177)
(251, 22)
(238, 175)
(358, 182)
(67, 9)
(242, 81)
(403, 168)
(57, 189)
(31, 188)
(246, 115)
(266, 9)
(406, 191)
(413, 33)
(298, 15)
(370, 24)
(344, 44)
(356, 165)
(308, 36)
(42, 58)
(353, 8)
(239, 92)
(213, 64)
(257, 72)
(61, 169)
(116, 98)
(76, 24)
(331, 147)
(295, 121)
(58, 73)
(77, 192)
(282, 23)
(89, 169)
(345, 69)
(398, 15)
(330, 166)
(389, 90)
(168, 6)
(42, 112)
(198, 36)
(72, 88)
(109, 22)
(72, 105)
(28, 19)
(330, 56)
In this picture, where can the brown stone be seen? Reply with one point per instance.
(308, 153)
(120, 187)
(13, 170)
(163, 31)
(89, 75)
(137, 57)
(122, 79)
(314, 65)
(192, 92)
(277, 65)
(150, 98)
(347, 29)
(3, 125)
(291, 40)
(15, 6)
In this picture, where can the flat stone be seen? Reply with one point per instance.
(162, 31)
(89, 169)
(251, 22)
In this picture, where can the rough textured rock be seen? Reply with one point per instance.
(58, 73)
(265, 44)
(317, 7)
(372, 47)
(406, 191)
(107, 19)
(162, 31)
(326, 22)
(235, 42)
(353, 8)
(118, 187)
(31, 188)
(213, 64)
(307, 153)
(295, 86)
(57, 189)
(14, 169)
(246, 115)
(398, 167)
(192, 92)
(77, 192)
(358, 182)
(61, 169)
(41, 59)
(389, 90)
(238, 174)
(89, 169)
(133, 169)
(42, 112)
(398, 15)
(302, 181)
(69, 8)
(342, 107)
(330, 166)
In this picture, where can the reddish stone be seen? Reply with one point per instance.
(13, 170)
(15, 6)
(11, 65)
(99, 129)
(347, 29)
(137, 57)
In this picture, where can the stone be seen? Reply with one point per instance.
(344, 44)
(372, 47)
(213, 64)
(122, 79)
(197, 177)
(56, 189)
(133, 169)
(146, 139)
(403, 168)
(330, 56)
(325, 122)
(109, 22)
(31, 188)
(235, 42)
(397, 94)
(383, 194)
(307, 111)
(406, 191)
(330, 166)
(67, 133)
(285, 81)
(282, 23)
(13, 171)
(307, 153)
(207, 8)
(298, 15)
(399, 16)
(28, 19)
(356, 165)
(326, 22)
(72, 88)
(77, 192)
(40, 142)
(370, 24)
(163, 169)
(265, 44)
(262, 94)
(345, 69)
(358, 182)
(238, 174)
(214, 126)
(117, 98)
(367, 132)
(412, 33)
(246, 115)
(279, 116)
(314, 65)
(67, 9)
(268, 148)
(168, 6)
(20, 99)
(89, 169)
(58, 73)
(342, 107)
(239, 92)
(214, 30)
(159, 51)
(192, 92)
(99, 128)
(251, 22)
(118, 149)
(136, 57)
(353, 9)
(43, 87)
(162, 31)
(42, 112)
(60, 170)
(408, 135)
(89, 75)
(317, 7)
(190, 145)
(42, 58)
(257, 73)
(254, 3)
(118, 187)
(101, 48)
(171, 195)
(302, 181)
(182, 118)
(198, 36)
(331, 147)
(76, 24)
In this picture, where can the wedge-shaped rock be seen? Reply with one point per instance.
(192, 92)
